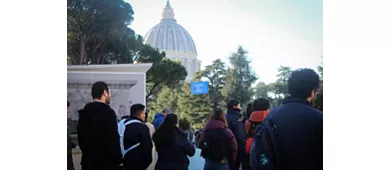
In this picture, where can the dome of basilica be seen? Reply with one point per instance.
(174, 40)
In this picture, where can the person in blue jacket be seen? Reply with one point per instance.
(159, 117)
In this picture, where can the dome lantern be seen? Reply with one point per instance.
(168, 13)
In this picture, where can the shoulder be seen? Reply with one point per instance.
(229, 132)
(150, 126)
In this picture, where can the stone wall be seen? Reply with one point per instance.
(126, 87)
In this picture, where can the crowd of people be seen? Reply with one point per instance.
(286, 137)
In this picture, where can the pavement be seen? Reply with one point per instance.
(196, 162)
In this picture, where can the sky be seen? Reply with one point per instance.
(274, 32)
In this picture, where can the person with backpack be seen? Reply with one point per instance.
(172, 145)
(218, 144)
(260, 109)
(291, 135)
(135, 140)
(235, 123)
(159, 117)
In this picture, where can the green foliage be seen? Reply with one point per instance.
(167, 97)
(239, 78)
(184, 124)
(92, 25)
(195, 108)
(98, 33)
(215, 74)
(165, 73)
(318, 102)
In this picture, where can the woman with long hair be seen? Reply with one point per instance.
(172, 145)
(218, 144)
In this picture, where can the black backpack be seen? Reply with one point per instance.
(214, 145)
(265, 153)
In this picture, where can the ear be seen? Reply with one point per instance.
(313, 93)
(105, 93)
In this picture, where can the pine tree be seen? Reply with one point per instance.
(239, 78)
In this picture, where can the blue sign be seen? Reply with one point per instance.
(201, 87)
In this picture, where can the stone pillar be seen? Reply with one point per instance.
(127, 84)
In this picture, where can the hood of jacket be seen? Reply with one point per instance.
(258, 116)
(158, 115)
(91, 109)
(214, 124)
(236, 114)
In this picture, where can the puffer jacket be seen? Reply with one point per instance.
(232, 146)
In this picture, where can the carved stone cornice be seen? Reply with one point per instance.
(111, 86)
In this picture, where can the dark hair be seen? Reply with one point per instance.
(261, 104)
(249, 110)
(302, 82)
(218, 115)
(232, 103)
(146, 116)
(98, 89)
(136, 109)
(164, 134)
(68, 103)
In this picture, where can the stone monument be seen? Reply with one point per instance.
(127, 84)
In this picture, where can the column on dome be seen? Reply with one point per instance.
(189, 64)
(198, 66)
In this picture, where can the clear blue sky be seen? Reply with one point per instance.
(274, 32)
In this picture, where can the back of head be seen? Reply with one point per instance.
(68, 104)
(302, 82)
(219, 115)
(170, 121)
(166, 111)
(137, 109)
(232, 103)
(146, 116)
(261, 104)
(98, 89)
(164, 133)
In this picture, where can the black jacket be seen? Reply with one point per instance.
(299, 130)
(70, 157)
(174, 156)
(140, 157)
(236, 125)
(98, 137)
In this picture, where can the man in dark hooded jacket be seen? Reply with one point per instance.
(235, 123)
(299, 126)
(97, 130)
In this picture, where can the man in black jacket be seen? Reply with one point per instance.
(235, 123)
(137, 138)
(97, 130)
(299, 126)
